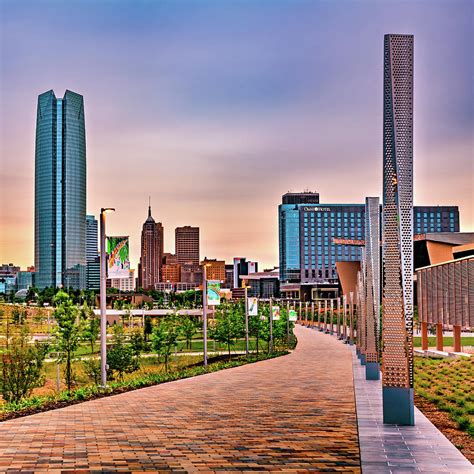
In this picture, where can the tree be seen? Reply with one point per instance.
(22, 366)
(91, 329)
(165, 337)
(229, 324)
(18, 315)
(92, 369)
(120, 357)
(67, 334)
(147, 330)
(137, 342)
(188, 328)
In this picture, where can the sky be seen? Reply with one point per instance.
(215, 109)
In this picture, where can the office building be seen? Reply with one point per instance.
(24, 280)
(171, 273)
(264, 284)
(215, 269)
(151, 255)
(241, 268)
(60, 191)
(123, 284)
(92, 253)
(8, 270)
(187, 245)
(307, 252)
(191, 275)
(229, 276)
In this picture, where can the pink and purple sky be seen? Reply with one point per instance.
(217, 108)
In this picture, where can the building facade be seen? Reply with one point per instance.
(307, 252)
(151, 255)
(242, 267)
(171, 273)
(215, 269)
(187, 245)
(60, 191)
(123, 284)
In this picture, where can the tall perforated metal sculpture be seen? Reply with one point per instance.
(397, 302)
(372, 287)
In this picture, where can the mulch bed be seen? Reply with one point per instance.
(448, 427)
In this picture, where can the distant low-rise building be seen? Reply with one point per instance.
(123, 284)
(215, 269)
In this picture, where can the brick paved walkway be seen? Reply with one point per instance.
(291, 413)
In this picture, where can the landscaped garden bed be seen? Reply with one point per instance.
(37, 404)
(63, 366)
(444, 392)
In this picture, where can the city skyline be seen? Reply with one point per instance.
(247, 114)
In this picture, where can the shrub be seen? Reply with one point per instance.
(22, 367)
(120, 358)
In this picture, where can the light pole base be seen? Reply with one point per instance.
(398, 406)
(372, 371)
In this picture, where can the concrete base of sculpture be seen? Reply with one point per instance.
(398, 406)
(372, 371)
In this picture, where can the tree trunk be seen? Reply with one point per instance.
(68, 372)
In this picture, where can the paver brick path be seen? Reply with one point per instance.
(293, 413)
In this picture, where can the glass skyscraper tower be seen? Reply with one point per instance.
(60, 191)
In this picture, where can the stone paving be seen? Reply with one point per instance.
(397, 449)
(294, 414)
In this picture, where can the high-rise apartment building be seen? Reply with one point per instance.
(92, 253)
(187, 245)
(151, 255)
(308, 255)
(60, 191)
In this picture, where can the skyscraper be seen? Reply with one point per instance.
(151, 256)
(397, 238)
(92, 254)
(187, 245)
(60, 191)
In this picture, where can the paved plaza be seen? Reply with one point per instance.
(293, 413)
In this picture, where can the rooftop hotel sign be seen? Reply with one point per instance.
(316, 209)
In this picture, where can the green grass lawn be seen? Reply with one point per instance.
(447, 341)
(448, 384)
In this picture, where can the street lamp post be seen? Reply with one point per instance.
(204, 311)
(103, 301)
(246, 323)
(271, 326)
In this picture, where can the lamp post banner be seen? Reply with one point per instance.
(275, 313)
(118, 264)
(213, 292)
(252, 306)
(293, 316)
